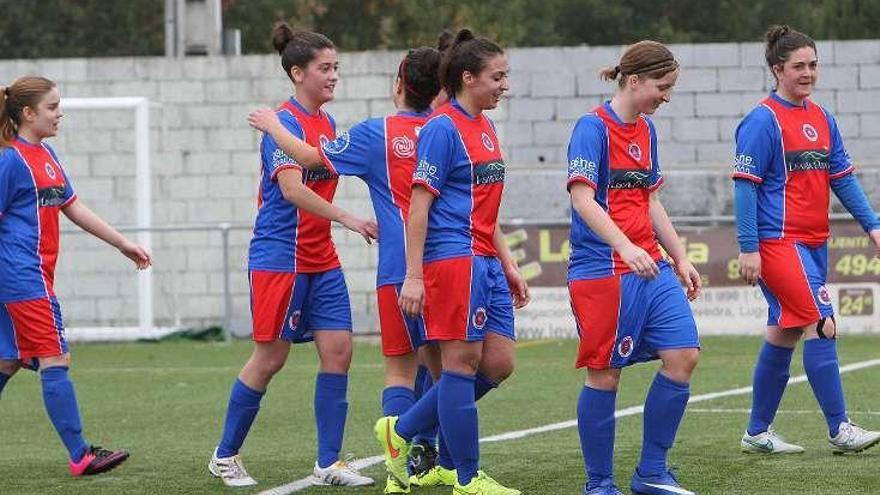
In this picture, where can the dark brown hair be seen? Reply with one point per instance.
(781, 40)
(648, 59)
(24, 92)
(297, 48)
(466, 53)
(418, 73)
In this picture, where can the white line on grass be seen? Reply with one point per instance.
(783, 411)
(513, 435)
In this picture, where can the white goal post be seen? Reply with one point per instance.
(143, 200)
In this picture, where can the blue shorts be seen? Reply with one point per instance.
(292, 306)
(626, 319)
(466, 297)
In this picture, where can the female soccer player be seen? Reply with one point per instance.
(382, 152)
(298, 293)
(788, 153)
(459, 269)
(627, 302)
(33, 189)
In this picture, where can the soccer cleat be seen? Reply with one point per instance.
(394, 486)
(230, 470)
(768, 442)
(852, 438)
(97, 460)
(422, 457)
(340, 473)
(661, 484)
(436, 476)
(395, 448)
(610, 489)
(483, 484)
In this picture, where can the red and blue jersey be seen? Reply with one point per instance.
(792, 152)
(382, 152)
(460, 162)
(33, 189)
(287, 239)
(619, 160)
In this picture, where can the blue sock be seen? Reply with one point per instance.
(768, 385)
(460, 422)
(482, 386)
(420, 417)
(820, 363)
(444, 458)
(664, 408)
(331, 408)
(3, 379)
(60, 400)
(396, 400)
(595, 413)
(244, 404)
(424, 382)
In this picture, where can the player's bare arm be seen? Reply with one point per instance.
(294, 191)
(518, 286)
(265, 119)
(412, 294)
(671, 242)
(86, 219)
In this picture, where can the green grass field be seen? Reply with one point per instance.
(165, 403)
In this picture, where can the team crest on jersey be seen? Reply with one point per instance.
(50, 171)
(625, 347)
(479, 318)
(293, 321)
(810, 132)
(824, 296)
(338, 145)
(488, 143)
(403, 147)
(634, 151)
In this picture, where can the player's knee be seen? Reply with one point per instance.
(498, 368)
(680, 364)
(9, 367)
(53, 361)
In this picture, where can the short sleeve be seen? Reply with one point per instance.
(7, 180)
(656, 177)
(754, 142)
(349, 153)
(274, 158)
(586, 150)
(436, 148)
(838, 158)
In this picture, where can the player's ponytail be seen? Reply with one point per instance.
(468, 53)
(24, 92)
(418, 73)
(780, 41)
(297, 48)
(647, 59)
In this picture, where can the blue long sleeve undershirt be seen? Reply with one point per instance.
(746, 204)
(850, 193)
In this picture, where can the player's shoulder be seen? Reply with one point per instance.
(759, 119)
(589, 123)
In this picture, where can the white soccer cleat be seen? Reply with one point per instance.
(853, 438)
(230, 470)
(340, 473)
(768, 442)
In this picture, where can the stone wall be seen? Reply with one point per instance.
(205, 160)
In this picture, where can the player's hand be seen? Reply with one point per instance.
(639, 261)
(412, 296)
(264, 119)
(368, 229)
(690, 277)
(750, 267)
(519, 289)
(140, 256)
(875, 238)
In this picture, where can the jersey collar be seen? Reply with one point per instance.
(614, 117)
(303, 109)
(787, 104)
